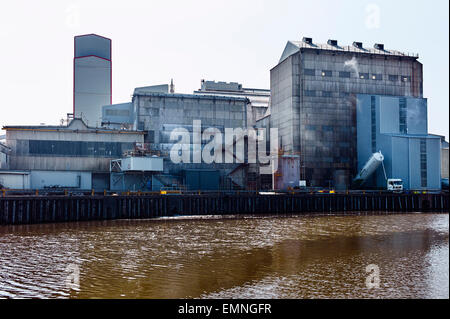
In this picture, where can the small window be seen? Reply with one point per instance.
(310, 72)
(377, 77)
(364, 75)
(327, 94)
(344, 94)
(327, 73)
(311, 127)
(327, 128)
(393, 78)
(310, 93)
(141, 126)
(406, 78)
(344, 74)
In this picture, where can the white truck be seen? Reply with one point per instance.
(395, 185)
(392, 184)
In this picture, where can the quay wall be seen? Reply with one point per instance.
(48, 209)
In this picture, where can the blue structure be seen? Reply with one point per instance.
(397, 126)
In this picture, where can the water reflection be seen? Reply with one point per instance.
(294, 257)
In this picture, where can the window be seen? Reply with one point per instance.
(393, 78)
(141, 126)
(364, 75)
(377, 77)
(406, 78)
(311, 127)
(423, 163)
(327, 73)
(310, 93)
(310, 72)
(373, 124)
(327, 128)
(344, 74)
(117, 112)
(402, 116)
(327, 94)
(344, 94)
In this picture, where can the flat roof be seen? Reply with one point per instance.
(192, 96)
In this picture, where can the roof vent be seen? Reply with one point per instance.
(333, 42)
(358, 45)
(307, 40)
(379, 46)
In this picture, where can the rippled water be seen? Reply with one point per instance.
(292, 257)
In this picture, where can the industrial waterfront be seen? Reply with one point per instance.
(207, 257)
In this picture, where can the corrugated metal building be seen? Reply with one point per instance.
(397, 126)
(313, 101)
(158, 113)
(48, 152)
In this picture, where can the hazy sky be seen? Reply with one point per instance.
(239, 41)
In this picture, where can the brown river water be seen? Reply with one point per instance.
(264, 257)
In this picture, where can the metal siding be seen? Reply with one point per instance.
(389, 115)
(92, 88)
(417, 116)
(434, 163)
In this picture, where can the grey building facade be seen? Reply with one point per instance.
(313, 101)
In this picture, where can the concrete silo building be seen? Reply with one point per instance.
(313, 101)
(92, 86)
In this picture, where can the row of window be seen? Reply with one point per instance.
(347, 74)
(78, 148)
(325, 93)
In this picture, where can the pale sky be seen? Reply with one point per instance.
(240, 41)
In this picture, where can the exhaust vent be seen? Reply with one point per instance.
(333, 42)
(307, 40)
(379, 46)
(358, 45)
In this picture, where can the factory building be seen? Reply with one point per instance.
(74, 156)
(259, 98)
(158, 113)
(397, 126)
(313, 102)
(92, 77)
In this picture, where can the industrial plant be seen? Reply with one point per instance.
(347, 117)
